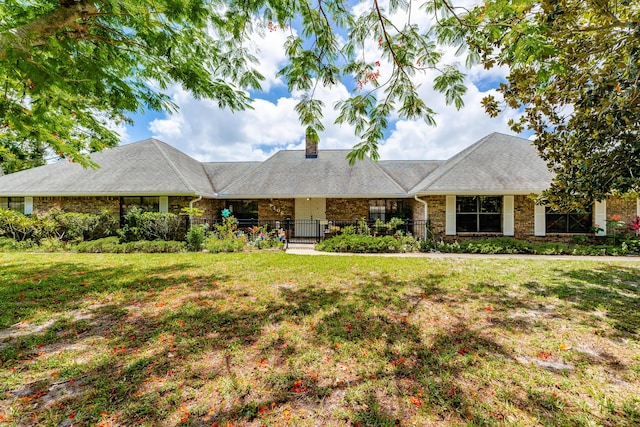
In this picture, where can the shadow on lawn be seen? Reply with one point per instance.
(211, 353)
(611, 288)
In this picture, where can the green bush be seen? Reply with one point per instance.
(8, 244)
(358, 243)
(214, 244)
(140, 225)
(154, 246)
(52, 244)
(56, 224)
(112, 245)
(17, 226)
(106, 245)
(76, 227)
(508, 245)
(195, 237)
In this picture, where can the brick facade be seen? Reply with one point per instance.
(211, 207)
(276, 209)
(523, 216)
(78, 204)
(626, 208)
(347, 209)
(436, 213)
(340, 209)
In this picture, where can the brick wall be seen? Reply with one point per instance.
(347, 209)
(77, 204)
(211, 207)
(524, 216)
(626, 208)
(276, 209)
(436, 210)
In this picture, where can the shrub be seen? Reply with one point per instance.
(358, 243)
(214, 244)
(112, 245)
(75, 226)
(9, 244)
(140, 225)
(17, 226)
(106, 245)
(52, 244)
(154, 246)
(195, 237)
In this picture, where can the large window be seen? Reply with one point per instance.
(385, 209)
(573, 222)
(243, 209)
(478, 214)
(13, 203)
(146, 203)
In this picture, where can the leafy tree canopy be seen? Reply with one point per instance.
(574, 74)
(73, 67)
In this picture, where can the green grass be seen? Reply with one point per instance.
(255, 339)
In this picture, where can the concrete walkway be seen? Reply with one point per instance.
(308, 249)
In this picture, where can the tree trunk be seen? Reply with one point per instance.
(36, 32)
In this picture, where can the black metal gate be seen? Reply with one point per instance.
(305, 230)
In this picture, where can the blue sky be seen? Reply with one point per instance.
(208, 133)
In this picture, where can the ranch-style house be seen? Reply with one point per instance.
(485, 190)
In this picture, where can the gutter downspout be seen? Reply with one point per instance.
(426, 210)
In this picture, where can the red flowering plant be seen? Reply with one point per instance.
(635, 225)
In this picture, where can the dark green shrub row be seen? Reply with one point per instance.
(140, 225)
(56, 224)
(506, 245)
(113, 245)
(358, 243)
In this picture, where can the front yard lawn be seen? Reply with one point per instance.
(255, 339)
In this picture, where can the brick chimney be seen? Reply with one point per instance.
(311, 151)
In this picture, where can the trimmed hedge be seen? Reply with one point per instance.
(112, 245)
(358, 243)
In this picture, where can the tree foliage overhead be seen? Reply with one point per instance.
(574, 75)
(72, 68)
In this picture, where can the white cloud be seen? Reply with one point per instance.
(209, 133)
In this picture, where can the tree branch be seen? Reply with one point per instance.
(35, 32)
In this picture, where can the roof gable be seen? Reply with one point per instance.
(497, 164)
(145, 167)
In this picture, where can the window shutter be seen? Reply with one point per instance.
(450, 216)
(539, 221)
(508, 226)
(601, 217)
(163, 204)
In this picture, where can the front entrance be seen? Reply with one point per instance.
(310, 214)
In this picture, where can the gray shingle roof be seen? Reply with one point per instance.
(408, 173)
(145, 167)
(222, 174)
(290, 174)
(498, 163)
